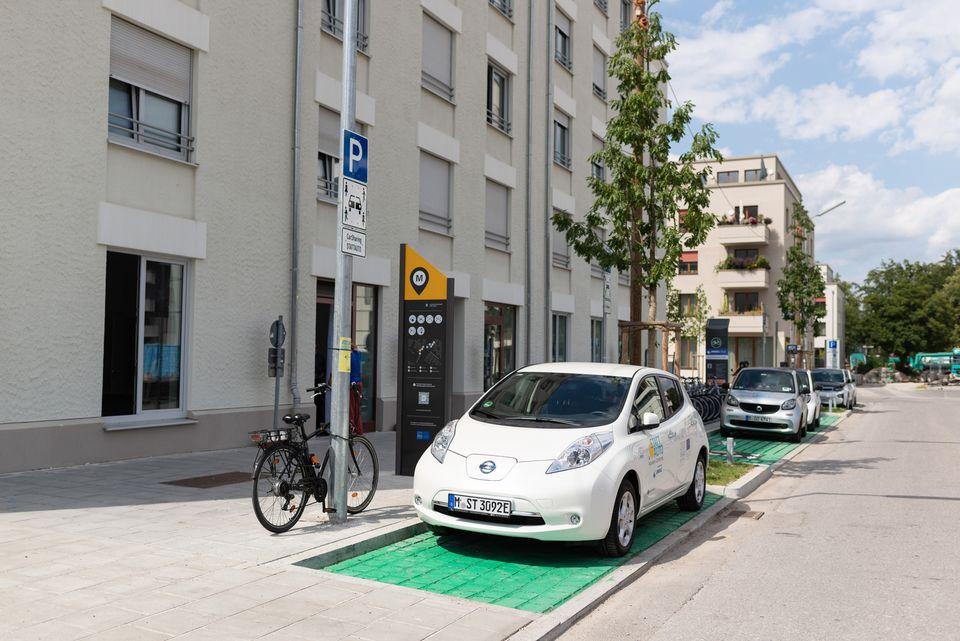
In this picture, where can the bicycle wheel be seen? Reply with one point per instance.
(363, 472)
(279, 495)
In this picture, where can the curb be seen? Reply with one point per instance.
(551, 625)
(349, 547)
(554, 623)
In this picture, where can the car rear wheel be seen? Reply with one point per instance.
(623, 522)
(693, 499)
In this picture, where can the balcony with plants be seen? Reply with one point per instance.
(744, 312)
(751, 272)
(740, 230)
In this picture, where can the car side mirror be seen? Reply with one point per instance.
(649, 420)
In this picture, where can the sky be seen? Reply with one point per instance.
(860, 99)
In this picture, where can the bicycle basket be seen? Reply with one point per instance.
(265, 438)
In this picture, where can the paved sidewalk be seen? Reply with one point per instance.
(110, 552)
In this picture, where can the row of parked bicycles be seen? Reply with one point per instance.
(707, 398)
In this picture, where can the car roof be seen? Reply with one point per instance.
(597, 369)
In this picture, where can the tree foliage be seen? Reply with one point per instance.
(694, 322)
(911, 307)
(802, 283)
(635, 223)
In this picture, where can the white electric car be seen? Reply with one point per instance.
(566, 452)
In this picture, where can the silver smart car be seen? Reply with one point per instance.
(766, 400)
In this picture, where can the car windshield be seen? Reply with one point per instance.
(553, 399)
(828, 376)
(765, 380)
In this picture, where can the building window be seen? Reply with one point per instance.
(437, 73)
(503, 6)
(143, 335)
(328, 156)
(365, 338)
(601, 5)
(497, 206)
(499, 355)
(689, 263)
(596, 271)
(746, 302)
(434, 193)
(626, 14)
(751, 211)
(331, 21)
(688, 353)
(752, 175)
(149, 100)
(561, 139)
(724, 177)
(559, 348)
(688, 303)
(599, 74)
(746, 255)
(596, 340)
(597, 169)
(561, 250)
(498, 98)
(562, 52)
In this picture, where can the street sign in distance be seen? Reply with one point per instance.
(276, 356)
(278, 333)
(793, 349)
(354, 156)
(354, 204)
(353, 242)
(832, 344)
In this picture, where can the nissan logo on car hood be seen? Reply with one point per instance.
(487, 467)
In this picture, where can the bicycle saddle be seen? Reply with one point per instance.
(298, 419)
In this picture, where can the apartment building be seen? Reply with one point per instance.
(831, 327)
(741, 261)
(150, 200)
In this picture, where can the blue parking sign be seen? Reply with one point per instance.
(832, 344)
(354, 156)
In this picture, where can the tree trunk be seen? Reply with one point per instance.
(635, 346)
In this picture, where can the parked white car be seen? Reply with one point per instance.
(808, 387)
(566, 452)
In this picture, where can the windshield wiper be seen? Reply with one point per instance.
(543, 419)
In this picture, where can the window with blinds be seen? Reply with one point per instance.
(434, 193)
(149, 91)
(597, 168)
(561, 250)
(497, 233)
(437, 72)
(331, 21)
(599, 74)
(328, 155)
(562, 51)
(561, 139)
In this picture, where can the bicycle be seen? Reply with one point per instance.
(286, 474)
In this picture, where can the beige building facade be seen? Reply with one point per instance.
(738, 266)
(150, 197)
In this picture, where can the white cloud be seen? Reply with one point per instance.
(936, 123)
(717, 11)
(877, 222)
(911, 39)
(722, 71)
(828, 111)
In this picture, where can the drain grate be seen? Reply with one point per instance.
(212, 480)
(744, 514)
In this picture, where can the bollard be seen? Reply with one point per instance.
(730, 450)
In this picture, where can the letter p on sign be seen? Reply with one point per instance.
(355, 156)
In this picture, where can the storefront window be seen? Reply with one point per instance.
(499, 355)
(559, 338)
(365, 338)
(596, 340)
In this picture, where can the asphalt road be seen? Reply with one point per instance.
(859, 539)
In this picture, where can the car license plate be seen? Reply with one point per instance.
(761, 419)
(478, 505)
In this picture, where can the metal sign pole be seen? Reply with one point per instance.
(343, 285)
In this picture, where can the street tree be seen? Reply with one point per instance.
(802, 283)
(648, 206)
(693, 321)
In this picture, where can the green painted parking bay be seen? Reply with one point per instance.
(763, 451)
(517, 573)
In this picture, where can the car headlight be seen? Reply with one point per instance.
(582, 451)
(732, 401)
(441, 442)
(789, 404)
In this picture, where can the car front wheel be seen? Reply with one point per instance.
(693, 499)
(623, 522)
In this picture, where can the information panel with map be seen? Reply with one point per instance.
(423, 406)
